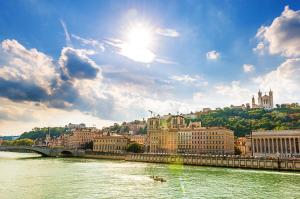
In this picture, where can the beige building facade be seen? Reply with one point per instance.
(111, 144)
(173, 135)
(140, 139)
(283, 143)
(76, 139)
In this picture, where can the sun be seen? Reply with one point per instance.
(139, 36)
(138, 42)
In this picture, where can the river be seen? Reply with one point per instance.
(29, 176)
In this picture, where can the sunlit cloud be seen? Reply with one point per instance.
(89, 42)
(185, 78)
(67, 35)
(167, 32)
(212, 55)
(282, 36)
(248, 68)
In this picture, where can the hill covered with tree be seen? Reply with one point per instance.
(242, 121)
(38, 133)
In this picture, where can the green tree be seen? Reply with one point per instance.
(19, 142)
(135, 148)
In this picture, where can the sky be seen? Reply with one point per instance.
(100, 62)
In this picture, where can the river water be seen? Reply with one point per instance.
(29, 176)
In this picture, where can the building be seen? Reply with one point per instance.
(76, 139)
(264, 101)
(111, 144)
(206, 110)
(190, 115)
(71, 126)
(240, 143)
(79, 137)
(243, 106)
(274, 143)
(60, 141)
(140, 139)
(173, 135)
(136, 125)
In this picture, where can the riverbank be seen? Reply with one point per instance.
(204, 160)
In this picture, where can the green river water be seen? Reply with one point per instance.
(28, 176)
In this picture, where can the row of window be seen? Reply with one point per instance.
(111, 141)
(109, 147)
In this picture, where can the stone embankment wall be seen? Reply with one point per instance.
(111, 156)
(204, 160)
(219, 161)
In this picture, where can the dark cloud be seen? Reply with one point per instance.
(56, 87)
(77, 65)
(22, 91)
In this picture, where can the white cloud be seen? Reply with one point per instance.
(27, 65)
(212, 55)
(165, 61)
(248, 68)
(260, 48)
(282, 36)
(223, 95)
(167, 32)
(185, 78)
(90, 42)
(284, 81)
(234, 92)
(133, 52)
(67, 35)
(193, 80)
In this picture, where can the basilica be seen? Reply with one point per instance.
(263, 101)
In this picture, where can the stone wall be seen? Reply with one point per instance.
(219, 161)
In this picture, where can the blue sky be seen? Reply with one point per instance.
(101, 62)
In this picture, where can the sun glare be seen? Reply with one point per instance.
(138, 43)
(139, 37)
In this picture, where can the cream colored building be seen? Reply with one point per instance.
(283, 143)
(140, 139)
(112, 144)
(76, 139)
(82, 136)
(172, 135)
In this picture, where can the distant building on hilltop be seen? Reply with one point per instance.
(71, 126)
(264, 101)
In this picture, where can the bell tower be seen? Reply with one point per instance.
(271, 98)
(260, 98)
(253, 101)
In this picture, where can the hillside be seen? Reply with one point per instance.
(243, 121)
(42, 132)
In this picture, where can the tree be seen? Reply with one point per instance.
(88, 145)
(237, 151)
(19, 142)
(135, 148)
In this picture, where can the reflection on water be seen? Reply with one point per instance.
(13, 155)
(68, 178)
